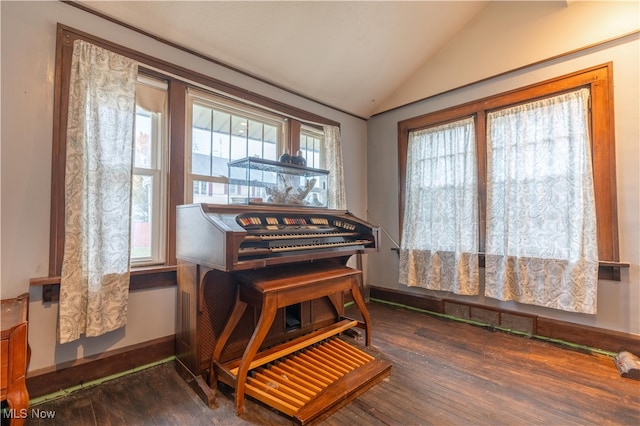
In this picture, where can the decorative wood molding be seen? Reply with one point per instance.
(584, 335)
(593, 337)
(66, 375)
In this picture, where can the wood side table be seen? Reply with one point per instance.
(15, 357)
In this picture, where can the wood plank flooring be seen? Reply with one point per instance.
(444, 373)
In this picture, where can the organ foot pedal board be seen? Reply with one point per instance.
(310, 377)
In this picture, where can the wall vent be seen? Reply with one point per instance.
(521, 323)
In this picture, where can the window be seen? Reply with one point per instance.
(311, 145)
(539, 173)
(169, 107)
(541, 246)
(149, 174)
(598, 82)
(440, 241)
(223, 131)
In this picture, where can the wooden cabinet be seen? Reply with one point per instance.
(15, 357)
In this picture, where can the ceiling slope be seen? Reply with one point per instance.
(347, 55)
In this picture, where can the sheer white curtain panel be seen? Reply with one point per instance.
(439, 247)
(541, 220)
(94, 283)
(333, 162)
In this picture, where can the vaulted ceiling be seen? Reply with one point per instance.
(350, 55)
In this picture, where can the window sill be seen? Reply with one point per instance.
(607, 270)
(141, 278)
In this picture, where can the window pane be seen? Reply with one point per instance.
(441, 204)
(209, 192)
(141, 216)
(221, 133)
(270, 145)
(439, 243)
(238, 137)
(201, 141)
(310, 145)
(541, 217)
(270, 134)
(221, 147)
(539, 178)
(255, 139)
(143, 154)
(148, 181)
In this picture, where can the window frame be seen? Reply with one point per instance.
(599, 79)
(179, 79)
(157, 171)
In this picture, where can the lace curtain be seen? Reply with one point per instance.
(333, 162)
(439, 248)
(541, 220)
(94, 283)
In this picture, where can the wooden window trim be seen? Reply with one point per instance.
(599, 80)
(178, 79)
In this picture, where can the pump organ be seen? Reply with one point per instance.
(223, 250)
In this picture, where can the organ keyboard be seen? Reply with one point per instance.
(258, 284)
(249, 237)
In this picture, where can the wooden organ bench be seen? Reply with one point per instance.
(274, 289)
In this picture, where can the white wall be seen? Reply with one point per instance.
(28, 50)
(618, 302)
(508, 35)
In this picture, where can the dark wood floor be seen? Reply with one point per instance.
(444, 373)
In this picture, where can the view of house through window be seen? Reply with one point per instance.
(220, 133)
